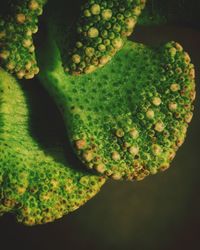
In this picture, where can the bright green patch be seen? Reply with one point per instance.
(128, 119)
(33, 184)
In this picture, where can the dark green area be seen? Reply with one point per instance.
(184, 12)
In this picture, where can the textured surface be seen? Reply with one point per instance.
(126, 127)
(33, 184)
(101, 30)
(17, 51)
(127, 120)
(161, 212)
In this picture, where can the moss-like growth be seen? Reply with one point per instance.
(128, 119)
(17, 51)
(34, 185)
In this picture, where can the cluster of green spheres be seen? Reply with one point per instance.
(101, 32)
(17, 51)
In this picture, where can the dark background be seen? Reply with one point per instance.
(161, 212)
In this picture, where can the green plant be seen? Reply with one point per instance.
(17, 51)
(124, 120)
(126, 126)
(34, 185)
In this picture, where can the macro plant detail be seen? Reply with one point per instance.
(101, 31)
(34, 185)
(126, 106)
(17, 51)
(143, 135)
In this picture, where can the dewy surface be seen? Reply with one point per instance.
(33, 184)
(128, 119)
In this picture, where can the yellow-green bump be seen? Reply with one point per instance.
(17, 51)
(128, 119)
(102, 28)
(33, 185)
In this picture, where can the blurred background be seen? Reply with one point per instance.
(160, 212)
